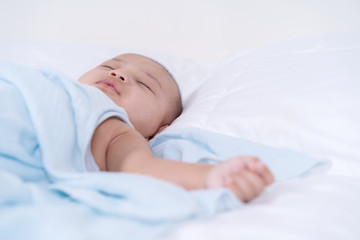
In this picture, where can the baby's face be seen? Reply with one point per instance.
(141, 86)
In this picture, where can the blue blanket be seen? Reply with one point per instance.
(46, 124)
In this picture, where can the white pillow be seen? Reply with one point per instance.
(303, 95)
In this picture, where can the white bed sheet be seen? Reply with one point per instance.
(319, 207)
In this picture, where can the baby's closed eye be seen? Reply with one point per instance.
(107, 66)
(142, 83)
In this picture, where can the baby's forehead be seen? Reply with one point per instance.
(138, 59)
(144, 63)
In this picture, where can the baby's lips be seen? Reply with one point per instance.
(111, 84)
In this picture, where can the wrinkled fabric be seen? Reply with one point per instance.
(46, 124)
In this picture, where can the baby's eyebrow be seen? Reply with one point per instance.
(117, 59)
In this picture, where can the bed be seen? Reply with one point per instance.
(301, 95)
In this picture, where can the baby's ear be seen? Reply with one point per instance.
(158, 131)
(161, 129)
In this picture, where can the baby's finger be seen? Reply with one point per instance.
(267, 176)
(237, 191)
(249, 184)
(255, 166)
(256, 182)
(262, 170)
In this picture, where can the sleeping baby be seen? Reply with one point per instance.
(50, 124)
(150, 97)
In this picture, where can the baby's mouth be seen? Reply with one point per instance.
(109, 84)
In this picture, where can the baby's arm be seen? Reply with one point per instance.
(118, 147)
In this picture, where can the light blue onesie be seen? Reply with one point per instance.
(47, 121)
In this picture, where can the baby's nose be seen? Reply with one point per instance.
(118, 75)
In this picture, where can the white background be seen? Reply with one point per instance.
(202, 30)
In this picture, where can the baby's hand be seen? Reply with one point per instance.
(245, 176)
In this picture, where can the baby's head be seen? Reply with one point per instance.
(142, 86)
